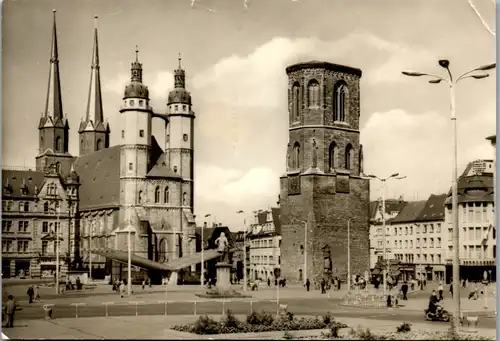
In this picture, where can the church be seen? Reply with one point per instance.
(92, 201)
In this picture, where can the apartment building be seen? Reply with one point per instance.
(265, 242)
(476, 214)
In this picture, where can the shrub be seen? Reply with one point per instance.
(366, 334)
(328, 318)
(230, 321)
(334, 330)
(287, 336)
(205, 325)
(404, 328)
(289, 315)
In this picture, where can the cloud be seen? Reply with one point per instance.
(117, 84)
(259, 79)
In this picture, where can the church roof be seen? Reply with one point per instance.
(13, 181)
(99, 178)
(313, 64)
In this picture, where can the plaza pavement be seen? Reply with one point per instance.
(157, 327)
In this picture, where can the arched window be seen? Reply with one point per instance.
(333, 156)
(162, 250)
(58, 168)
(140, 197)
(296, 156)
(157, 195)
(295, 101)
(184, 198)
(348, 157)
(99, 144)
(313, 94)
(340, 105)
(166, 196)
(45, 206)
(58, 144)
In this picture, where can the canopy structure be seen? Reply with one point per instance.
(175, 265)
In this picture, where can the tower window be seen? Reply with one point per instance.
(141, 102)
(166, 197)
(140, 197)
(296, 156)
(184, 198)
(130, 166)
(184, 107)
(157, 195)
(132, 102)
(295, 101)
(313, 94)
(348, 157)
(58, 168)
(141, 133)
(176, 107)
(123, 134)
(334, 156)
(58, 144)
(185, 137)
(340, 105)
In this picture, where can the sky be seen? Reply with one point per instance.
(235, 60)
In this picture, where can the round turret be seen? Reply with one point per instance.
(136, 90)
(179, 95)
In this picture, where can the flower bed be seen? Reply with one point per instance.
(258, 322)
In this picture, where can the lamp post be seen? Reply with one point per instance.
(202, 277)
(90, 249)
(349, 254)
(244, 250)
(383, 181)
(58, 211)
(454, 190)
(129, 229)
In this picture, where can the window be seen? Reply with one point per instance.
(184, 107)
(485, 212)
(176, 107)
(296, 156)
(340, 99)
(478, 233)
(6, 245)
(478, 252)
(157, 194)
(45, 206)
(471, 233)
(141, 102)
(23, 226)
(123, 134)
(438, 256)
(185, 137)
(26, 206)
(431, 242)
(477, 210)
(45, 247)
(334, 156)
(22, 246)
(470, 217)
(411, 230)
(166, 195)
(130, 166)
(411, 244)
(184, 199)
(58, 144)
(141, 133)
(175, 169)
(464, 214)
(406, 230)
(58, 168)
(348, 157)
(313, 94)
(45, 227)
(424, 230)
(424, 242)
(418, 242)
(438, 228)
(295, 101)
(6, 225)
(438, 242)
(400, 231)
(132, 102)
(431, 228)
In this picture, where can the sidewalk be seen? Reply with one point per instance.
(157, 327)
(466, 305)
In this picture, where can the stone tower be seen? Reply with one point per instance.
(94, 131)
(135, 141)
(323, 186)
(53, 126)
(179, 141)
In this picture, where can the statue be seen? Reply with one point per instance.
(288, 158)
(315, 155)
(361, 159)
(222, 246)
(327, 263)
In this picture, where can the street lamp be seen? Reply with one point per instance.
(244, 250)
(454, 190)
(383, 181)
(129, 230)
(349, 253)
(202, 277)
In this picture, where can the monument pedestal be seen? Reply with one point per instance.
(223, 283)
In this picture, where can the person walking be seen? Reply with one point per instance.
(440, 290)
(122, 289)
(37, 293)
(322, 283)
(143, 284)
(404, 290)
(10, 308)
(30, 293)
(268, 282)
(308, 284)
(451, 289)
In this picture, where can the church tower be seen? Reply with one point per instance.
(53, 126)
(179, 142)
(94, 131)
(135, 142)
(323, 189)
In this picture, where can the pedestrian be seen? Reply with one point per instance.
(338, 283)
(322, 283)
(30, 293)
(451, 289)
(268, 282)
(78, 284)
(37, 293)
(404, 290)
(308, 284)
(143, 284)
(149, 282)
(440, 290)
(122, 289)
(9, 309)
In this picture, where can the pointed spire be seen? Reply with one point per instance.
(94, 104)
(180, 76)
(53, 105)
(136, 69)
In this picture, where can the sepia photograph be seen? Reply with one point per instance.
(249, 169)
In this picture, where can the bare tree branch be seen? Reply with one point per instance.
(493, 33)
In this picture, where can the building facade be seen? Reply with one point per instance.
(264, 243)
(323, 186)
(476, 220)
(96, 197)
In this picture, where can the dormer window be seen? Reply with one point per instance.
(132, 102)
